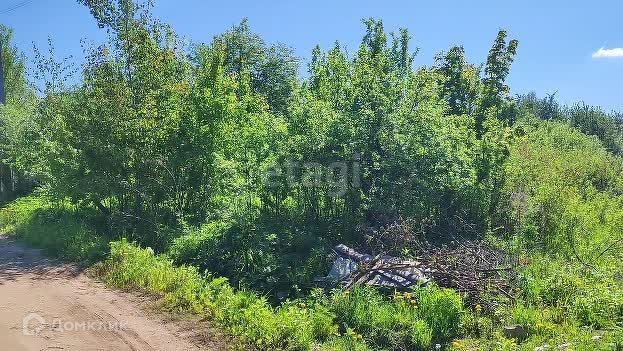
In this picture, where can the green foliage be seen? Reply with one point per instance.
(563, 190)
(17, 100)
(413, 321)
(295, 325)
(272, 69)
(546, 108)
(553, 310)
(590, 120)
(157, 139)
(221, 157)
(561, 203)
(413, 160)
(269, 256)
(559, 303)
(16, 87)
(59, 228)
(460, 81)
(591, 297)
(349, 343)
(496, 94)
(341, 321)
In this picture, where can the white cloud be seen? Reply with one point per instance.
(608, 53)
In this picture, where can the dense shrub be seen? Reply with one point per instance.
(563, 192)
(413, 321)
(60, 229)
(269, 256)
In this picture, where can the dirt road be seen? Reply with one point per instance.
(45, 305)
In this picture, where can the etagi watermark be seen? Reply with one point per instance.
(335, 177)
(33, 324)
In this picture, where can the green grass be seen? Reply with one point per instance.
(336, 322)
(411, 321)
(248, 317)
(559, 302)
(340, 321)
(62, 230)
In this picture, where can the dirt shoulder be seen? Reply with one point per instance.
(47, 305)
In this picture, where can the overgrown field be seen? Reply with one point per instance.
(334, 320)
(560, 301)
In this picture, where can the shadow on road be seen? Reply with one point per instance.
(18, 261)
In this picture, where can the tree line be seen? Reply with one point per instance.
(159, 137)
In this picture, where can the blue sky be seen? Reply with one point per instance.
(558, 38)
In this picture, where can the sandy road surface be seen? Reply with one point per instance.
(46, 305)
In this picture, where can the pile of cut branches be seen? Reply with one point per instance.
(471, 267)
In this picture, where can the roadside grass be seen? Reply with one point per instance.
(61, 230)
(335, 322)
(560, 303)
(360, 320)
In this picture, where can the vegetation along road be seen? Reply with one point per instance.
(216, 175)
(51, 306)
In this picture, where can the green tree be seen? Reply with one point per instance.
(496, 94)
(592, 120)
(14, 118)
(16, 87)
(460, 81)
(272, 68)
